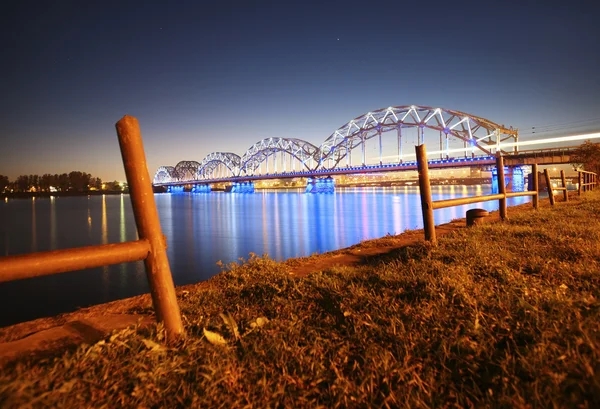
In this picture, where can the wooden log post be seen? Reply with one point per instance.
(148, 225)
(501, 185)
(535, 187)
(579, 182)
(549, 187)
(564, 185)
(425, 191)
(588, 182)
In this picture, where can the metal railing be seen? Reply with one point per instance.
(151, 247)
(428, 205)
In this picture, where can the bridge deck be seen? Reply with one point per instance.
(539, 156)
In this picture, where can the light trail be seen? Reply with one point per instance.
(512, 144)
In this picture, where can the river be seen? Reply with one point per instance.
(201, 229)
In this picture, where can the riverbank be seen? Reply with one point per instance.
(504, 314)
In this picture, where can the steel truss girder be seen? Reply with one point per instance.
(261, 150)
(208, 165)
(480, 133)
(164, 174)
(186, 170)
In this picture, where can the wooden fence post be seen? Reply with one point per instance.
(535, 187)
(549, 187)
(579, 182)
(148, 225)
(501, 185)
(425, 191)
(564, 184)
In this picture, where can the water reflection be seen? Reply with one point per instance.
(53, 238)
(122, 225)
(104, 225)
(33, 227)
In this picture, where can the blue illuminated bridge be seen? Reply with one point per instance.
(378, 141)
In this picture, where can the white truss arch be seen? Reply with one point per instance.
(260, 151)
(164, 174)
(186, 170)
(213, 160)
(477, 132)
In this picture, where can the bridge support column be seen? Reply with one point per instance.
(320, 185)
(447, 145)
(175, 189)
(242, 187)
(364, 158)
(507, 174)
(380, 148)
(201, 188)
(399, 143)
(514, 179)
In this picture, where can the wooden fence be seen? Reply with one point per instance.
(587, 181)
(151, 247)
(428, 205)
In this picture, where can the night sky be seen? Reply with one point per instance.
(219, 76)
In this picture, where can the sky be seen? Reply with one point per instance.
(219, 76)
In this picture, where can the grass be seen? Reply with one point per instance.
(500, 315)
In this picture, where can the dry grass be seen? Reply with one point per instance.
(502, 315)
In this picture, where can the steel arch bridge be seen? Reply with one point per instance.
(475, 134)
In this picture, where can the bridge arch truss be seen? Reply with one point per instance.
(215, 160)
(164, 174)
(304, 152)
(476, 133)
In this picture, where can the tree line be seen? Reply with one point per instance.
(587, 157)
(74, 181)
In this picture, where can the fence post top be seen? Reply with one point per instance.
(126, 119)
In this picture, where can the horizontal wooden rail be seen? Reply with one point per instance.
(59, 261)
(441, 204)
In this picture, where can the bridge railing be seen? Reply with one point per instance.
(587, 181)
(151, 247)
(428, 205)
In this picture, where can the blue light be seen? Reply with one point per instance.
(242, 187)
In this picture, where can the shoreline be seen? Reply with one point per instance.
(298, 267)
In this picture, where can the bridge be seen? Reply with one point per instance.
(475, 139)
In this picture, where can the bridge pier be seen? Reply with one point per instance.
(174, 189)
(320, 185)
(201, 188)
(514, 179)
(242, 187)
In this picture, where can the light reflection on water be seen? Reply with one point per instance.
(201, 229)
